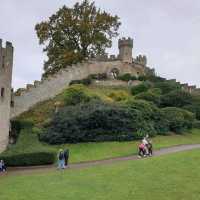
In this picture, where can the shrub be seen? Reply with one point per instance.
(94, 121)
(29, 159)
(85, 81)
(77, 94)
(142, 78)
(196, 124)
(102, 76)
(152, 117)
(155, 91)
(118, 95)
(127, 77)
(149, 96)
(28, 151)
(167, 86)
(178, 119)
(155, 79)
(195, 108)
(143, 87)
(177, 98)
(15, 129)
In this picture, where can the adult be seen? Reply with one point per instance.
(66, 156)
(2, 166)
(145, 142)
(61, 159)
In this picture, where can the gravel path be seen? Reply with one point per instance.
(163, 151)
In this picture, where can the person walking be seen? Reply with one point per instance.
(61, 159)
(2, 166)
(66, 156)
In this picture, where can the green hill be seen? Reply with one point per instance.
(109, 117)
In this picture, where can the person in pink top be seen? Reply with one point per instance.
(141, 150)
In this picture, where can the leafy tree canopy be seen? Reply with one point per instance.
(74, 34)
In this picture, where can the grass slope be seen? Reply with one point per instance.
(168, 177)
(43, 111)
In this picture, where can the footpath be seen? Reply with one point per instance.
(37, 169)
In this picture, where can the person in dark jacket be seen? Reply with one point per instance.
(61, 159)
(2, 166)
(66, 156)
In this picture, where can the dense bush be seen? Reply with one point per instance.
(127, 77)
(85, 81)
(77, 94)
(196, 124)
(94, 121)
(102, 76)
(143, 87)
(28, 159)
(176, 98)
(152, 116)
(15, 129)
(118, 95)
(149, 96)
(178, 119)
(167, 86)
(142, 78)
(155, 79)
(28, 150)
(195, 108)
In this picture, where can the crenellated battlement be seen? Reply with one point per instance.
(125, 42)
(49, 87)
(141, 59)
(6, 55)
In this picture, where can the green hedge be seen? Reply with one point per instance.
(29, 159)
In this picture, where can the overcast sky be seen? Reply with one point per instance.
(168, 32)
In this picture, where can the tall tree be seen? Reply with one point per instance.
(74, 34)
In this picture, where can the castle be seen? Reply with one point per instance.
(13, 104)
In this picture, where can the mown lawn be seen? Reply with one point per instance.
(97, 151)
(169, 177)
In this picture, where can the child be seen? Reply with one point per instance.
(141, 150)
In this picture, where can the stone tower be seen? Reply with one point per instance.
(6, 65)
(125, 50)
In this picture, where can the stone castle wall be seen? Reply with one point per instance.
(6, 63)
(50, 87)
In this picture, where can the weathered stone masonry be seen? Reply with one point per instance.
(49, 87)
(6, 64)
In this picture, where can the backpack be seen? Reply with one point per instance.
(61, 156)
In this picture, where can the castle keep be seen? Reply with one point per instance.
(13, 105)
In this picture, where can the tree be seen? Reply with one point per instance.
(74, 34)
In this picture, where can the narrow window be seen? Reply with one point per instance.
(2, 92)
(12, 104)
(3, 61)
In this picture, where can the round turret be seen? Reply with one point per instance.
(125, 49)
